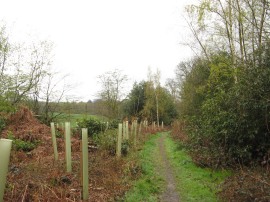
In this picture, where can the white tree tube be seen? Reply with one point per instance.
(5, 148)
(68, 146)
(54, 142)
(85, 178)
(135, 133)
(127, 131)
(119, 140)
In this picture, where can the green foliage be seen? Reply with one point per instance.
(142, 102)
(235, 112)
(125, 147)
(232, 110)
(136, 100)
(167, 111)
(192, 87)
(107, 140)
(96, 126)
(2, 123)
(93, 125)
(113, 124)
(228, 113)
(74, 118)
(22, 145)
(59, 133)
(6, 106)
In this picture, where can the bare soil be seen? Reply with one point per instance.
(170, 194)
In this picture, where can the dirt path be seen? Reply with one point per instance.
(170, 194)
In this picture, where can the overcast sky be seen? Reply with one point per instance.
(95, 36)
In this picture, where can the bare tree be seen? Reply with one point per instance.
(53, 91)
(239, 27)
(4, 56)
(174, 88)
(22, 68)
(30, 66)
(152, 92)
(112, 83)
(4, 51)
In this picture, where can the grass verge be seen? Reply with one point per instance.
(193, 183)
(149, 185)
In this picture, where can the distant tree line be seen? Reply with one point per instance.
(147, 100)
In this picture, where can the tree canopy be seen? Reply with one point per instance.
(224, 90)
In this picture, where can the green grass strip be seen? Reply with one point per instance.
(193, 183)
(148, 187)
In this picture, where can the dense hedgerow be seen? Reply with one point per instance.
(228, 109)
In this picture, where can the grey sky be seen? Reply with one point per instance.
(92, 37)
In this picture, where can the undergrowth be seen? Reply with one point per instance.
(22, 145)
